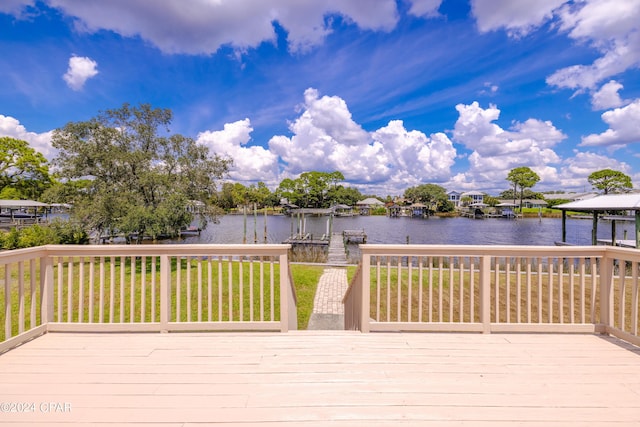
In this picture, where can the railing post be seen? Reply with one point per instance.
(365, 302)
(286, 297)
(606, 285)
(46, 289)
(165, 292)
(485, 294)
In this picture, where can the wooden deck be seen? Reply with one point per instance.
(321, 379)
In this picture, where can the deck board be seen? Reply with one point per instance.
(318, 378)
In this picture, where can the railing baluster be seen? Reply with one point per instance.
(60, 293)
(572, 316)
(497, 290)
(472, 289)
(199, 273)
(112, 289)
(518, 290)
(261, 290)
(241, 289)
(508, 289)
(123, 263)
(528, 272)
(420, 286)
(451, 286)
(561, 290)
(220, 289)
(143, 288)
(251, 297)
(581, 265)
(154, 272)
(188, 307)
(230, 289)
(132, 291)
(461, 290)
(622, 300)
(377, 289)
(440, 289)
(540, 290)
(101, 293)
(430, 262)
(634, 298)
(550, 302)
(209, 289)
(399, 290)
(178, 288)
(272, 287)
(8, 327)
(92, 282)
(410, 293)
(20, 297)
(33, 289)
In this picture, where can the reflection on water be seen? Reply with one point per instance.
(380, 229)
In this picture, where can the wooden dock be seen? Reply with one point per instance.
(337, 252)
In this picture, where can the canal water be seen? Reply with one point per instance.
(433, 230)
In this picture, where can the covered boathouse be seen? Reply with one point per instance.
(625, 206)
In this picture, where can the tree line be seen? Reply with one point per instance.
(125, 172)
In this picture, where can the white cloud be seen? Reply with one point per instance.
(40, 142)
(426, 8)
(250, 163)
(80, 70)
(202, 27)
(495, 150)
(624, 127)
(612, 27)
(325, 138)
(16, 8)
(607, 96)
(517, 17)
(575, 170)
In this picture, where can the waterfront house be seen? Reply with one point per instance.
(367, 205)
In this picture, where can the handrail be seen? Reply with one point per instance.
(144, 288)
(496, 289)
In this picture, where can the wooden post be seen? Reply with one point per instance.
(564, 226)
(606, 285)
(365, 302)
(485, 294)
(637, 228)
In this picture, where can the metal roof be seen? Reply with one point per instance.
(21, 204)
(607, 202)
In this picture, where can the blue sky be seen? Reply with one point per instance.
(392, 93)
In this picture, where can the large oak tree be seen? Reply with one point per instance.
(142, 177)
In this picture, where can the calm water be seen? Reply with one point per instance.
(379, 229)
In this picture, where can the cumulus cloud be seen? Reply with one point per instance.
(202, 27)
(495, 150)
(612, 27)
(326, 138)
(250, 163)
(80, 70)
(41, 142)
(517, 17)
(607, 96)
(624, 127)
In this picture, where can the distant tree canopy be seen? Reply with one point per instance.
(311, 189)
(140, 179)
(432, 195)
(610, 181)
(24, 172)
(523, 178)
(526, 194)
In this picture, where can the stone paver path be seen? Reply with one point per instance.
(331, 289)
(328, 311)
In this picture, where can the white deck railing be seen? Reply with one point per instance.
(495, 289)
(144, 288)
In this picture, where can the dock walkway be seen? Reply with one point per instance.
(328, 310)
